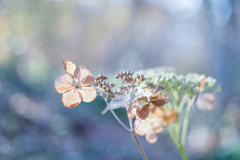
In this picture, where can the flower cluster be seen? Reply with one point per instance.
(75, 85)
(152, 98)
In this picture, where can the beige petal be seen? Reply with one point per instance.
(83, 75)
(151, 136)
(71, 98)
(64, 83)
(88, 93)
(158, 129)
(69, 67)
(143, 112)
(130, 113)
(160, 101)
(171, 115)
(154, 96)
(142, 128)
(138, 103)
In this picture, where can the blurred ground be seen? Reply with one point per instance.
(107, 36)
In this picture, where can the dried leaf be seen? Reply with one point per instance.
(64, 83)
(69, 67)
(71, 98)
(88, 93)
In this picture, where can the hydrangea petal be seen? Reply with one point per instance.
(83, 75)
(64, 83)
(69, 67)
(88, 93)
(143, 127)
(160, 101)
(140, 102)
(143, 112)
(151, 136)
(71, 98)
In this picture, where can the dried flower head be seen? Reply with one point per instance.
(103, 87)
(144, 105)
(204, 100)
(155, 123)
(75, 85)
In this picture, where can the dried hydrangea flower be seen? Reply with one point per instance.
(155, 123)
(144, 105)
(204, 100)
(75, 85)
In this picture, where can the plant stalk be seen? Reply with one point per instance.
(139, 145)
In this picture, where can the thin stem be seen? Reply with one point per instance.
(182, 103)
(116, 117)
(186, 120)
(137, 125)
(139, 145)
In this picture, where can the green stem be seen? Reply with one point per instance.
(186, 120)
(176, 143)
(182, 103)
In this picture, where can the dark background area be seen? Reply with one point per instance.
(106, 36)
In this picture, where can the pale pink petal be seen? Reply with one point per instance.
(71, 98)
(151, 136)
(64, 83)
(158, 129)
(88, 93)
(83, 75)
(142, 128)
(69, 67)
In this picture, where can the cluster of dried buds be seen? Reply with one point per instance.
(104, 87)
(129, 81)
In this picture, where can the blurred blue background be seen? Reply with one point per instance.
(200, 36)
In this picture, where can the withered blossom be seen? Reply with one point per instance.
(75, 85)
(155, 123)
(142, 107)
(204, 100)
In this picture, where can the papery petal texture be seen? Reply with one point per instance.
(88, 93)
(64, 83)
(151, 136)
(83, 75)
(69, 67)
(160, 101)
(71, 98)
(143, 112)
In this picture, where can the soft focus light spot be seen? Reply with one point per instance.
(4, 5)
(20, 45)
(221, 10)
(200, 140)
(5, 47)
(229, 141)
(33, 69)
(20, 103)
(52, 144)
(4, 145)
(179, 8)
